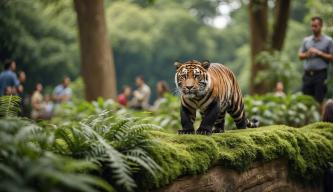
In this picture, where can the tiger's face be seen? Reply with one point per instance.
(192, 78)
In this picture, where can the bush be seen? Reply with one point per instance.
(74, 155)
(294, 110)
(27, 164)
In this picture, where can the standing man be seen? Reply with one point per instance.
(63, 93)
(316, 51)
(8, 78)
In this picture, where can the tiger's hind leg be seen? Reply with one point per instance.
(219, 124)
(238, 114)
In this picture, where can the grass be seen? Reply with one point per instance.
(308, 150)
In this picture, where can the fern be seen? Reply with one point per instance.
(9, 106)
(118, 144)
(25, 161)
(116, 161)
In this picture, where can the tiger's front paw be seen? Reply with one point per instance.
(204, 131)
(185, 131)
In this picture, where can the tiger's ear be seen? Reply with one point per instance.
(178, 64)
(205, 64)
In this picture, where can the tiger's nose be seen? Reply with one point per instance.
(189, 87)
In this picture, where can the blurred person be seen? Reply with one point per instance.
(20, 92)
(328, 111)
(8, 77)
(62, 92)
(279, 89)
(37, 102)
(162, 88)
(21, 78)
(48, 107)
(316, 51)
(124, 95)
(9, 91)
(141, 95)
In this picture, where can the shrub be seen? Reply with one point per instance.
(27, 165)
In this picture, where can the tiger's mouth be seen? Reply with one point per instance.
(189, 91)
(192, 93)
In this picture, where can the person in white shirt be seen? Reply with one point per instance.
(63, 93)
(141, 95)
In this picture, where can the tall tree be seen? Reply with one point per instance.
(259, 37)
(281, 15)
(96, 57)
(260, 40)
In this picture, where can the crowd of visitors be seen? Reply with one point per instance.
(34, 105)
(139, 99)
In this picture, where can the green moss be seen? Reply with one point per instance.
(308, 151)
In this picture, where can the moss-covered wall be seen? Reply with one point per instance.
(307, 151)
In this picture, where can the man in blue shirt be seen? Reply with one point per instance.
(317, 52)
(62, 92)
(8, 78)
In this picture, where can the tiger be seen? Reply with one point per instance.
(213, 89)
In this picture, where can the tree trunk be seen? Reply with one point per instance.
(259, 34)
(97, 65)
(282, 8)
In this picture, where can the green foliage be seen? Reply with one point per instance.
(78, 87)
(26, 164)
(279, 68)
(119, 145)
(110, 146)
(41, 37)
(76, 155)
(294, 110)
(168, 114)
(9, 106)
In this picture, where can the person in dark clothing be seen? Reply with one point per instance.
(8, 77)
(316, 51)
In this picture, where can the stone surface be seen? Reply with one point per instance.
(272, 176)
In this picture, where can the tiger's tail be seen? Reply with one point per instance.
(253, 123)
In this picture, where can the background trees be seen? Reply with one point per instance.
(42, 39)
(147, 37)
(262, 40)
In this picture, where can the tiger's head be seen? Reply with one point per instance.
(192, 79)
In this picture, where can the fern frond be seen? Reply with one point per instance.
(121, 170)
(143, 159)
(10, 173)
(9, 106)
